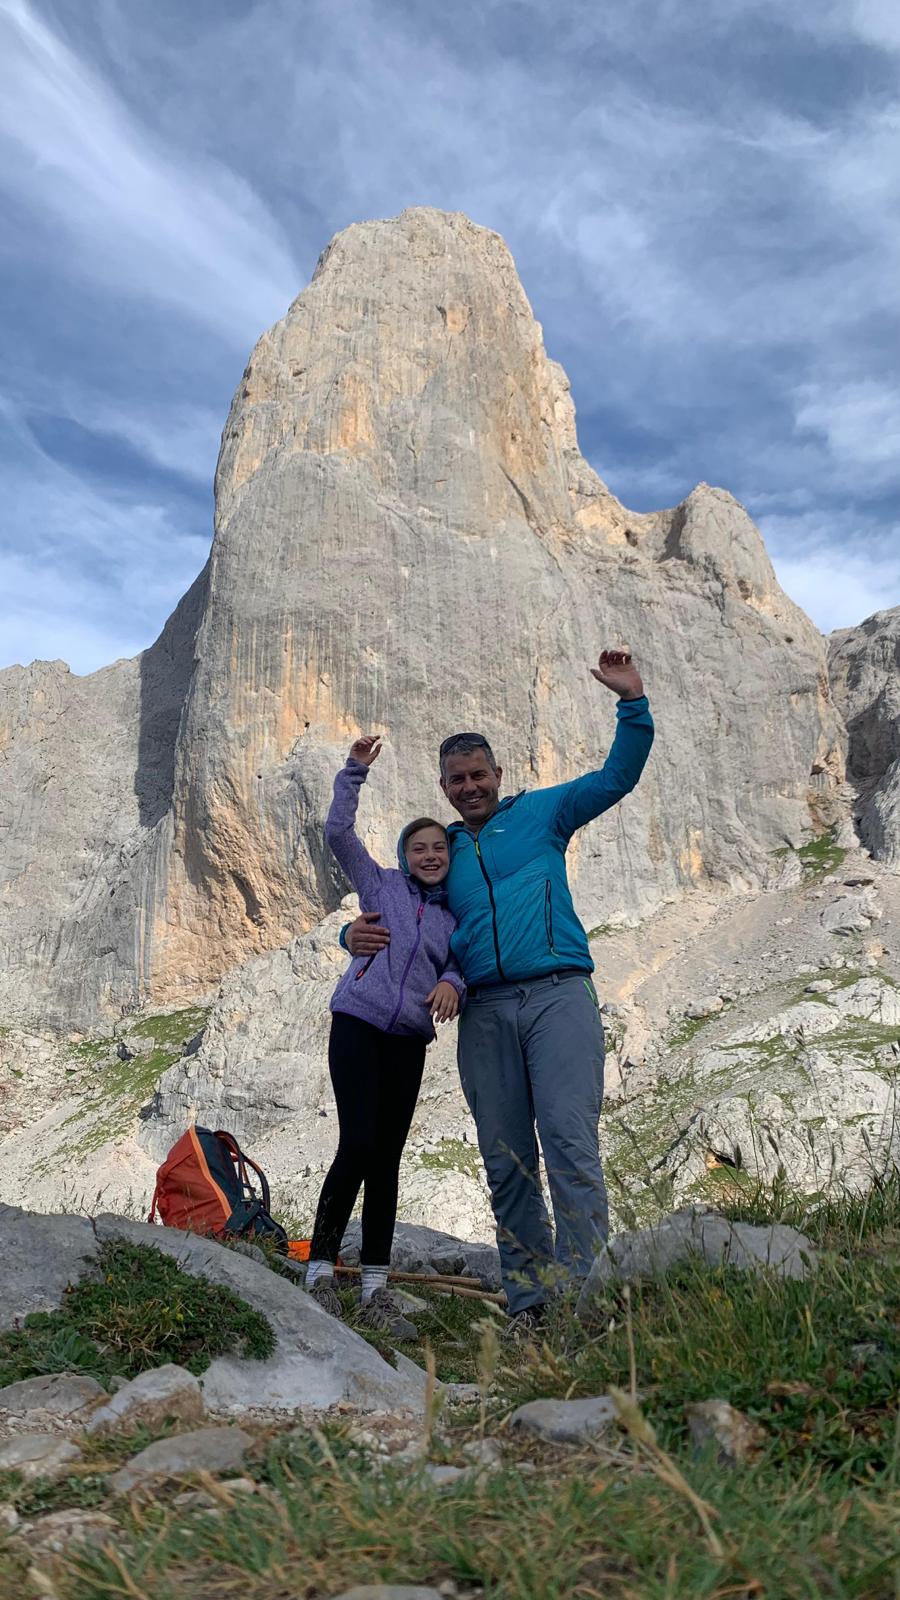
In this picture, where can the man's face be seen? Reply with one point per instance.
(472, 785)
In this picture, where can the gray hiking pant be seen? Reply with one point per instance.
(533, 1053)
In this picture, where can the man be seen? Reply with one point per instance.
(531, 1045)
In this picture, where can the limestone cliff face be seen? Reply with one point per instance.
(407, 540)
(865, 670)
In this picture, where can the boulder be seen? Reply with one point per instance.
(162, 1395)
(566, 1421)
(849, 913)
(420, 1249)
(39, 1259)
(698, 1234)
(38, 1455)
(317, 1361)
(201, 1450)
(64, 1396)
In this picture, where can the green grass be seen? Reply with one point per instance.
(453, 1155)
(813, 1517)
(125, 1086)
(818, 856)
(135, 1310)
(688, 1028)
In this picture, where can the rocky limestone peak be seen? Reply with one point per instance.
(864, 663)
(407, 540)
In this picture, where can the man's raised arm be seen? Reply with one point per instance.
(588, 797)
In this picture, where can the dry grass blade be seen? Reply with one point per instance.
(639, 1429)
(433, 1399)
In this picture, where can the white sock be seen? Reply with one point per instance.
(373, 1278)
(317, 1270)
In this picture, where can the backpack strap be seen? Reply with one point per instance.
(264, 1182)
(242, 1162)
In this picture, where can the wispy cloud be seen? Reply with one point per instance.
(139, 216)
(710, 237)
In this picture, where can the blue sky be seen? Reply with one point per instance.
(703, 202)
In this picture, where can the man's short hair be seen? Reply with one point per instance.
(463, 744)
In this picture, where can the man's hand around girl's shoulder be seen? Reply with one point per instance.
(443, 1002)
(366, 749)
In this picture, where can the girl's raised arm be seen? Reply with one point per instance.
(340, 824)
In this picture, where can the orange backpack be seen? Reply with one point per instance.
(203, 1186)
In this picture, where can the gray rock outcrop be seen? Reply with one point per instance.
(701, 1235)
(317, 1361)
(199, 1451)
(399, 485)
(864, 666)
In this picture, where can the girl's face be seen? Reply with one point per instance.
(427, 855)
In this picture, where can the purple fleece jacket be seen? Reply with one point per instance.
(389, 990)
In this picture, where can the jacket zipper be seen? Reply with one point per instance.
(548, 915)
(409, 961)
(490, 890)
(365, 966)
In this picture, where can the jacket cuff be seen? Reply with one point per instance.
(455, 979)
(641, 703)
(342, 940)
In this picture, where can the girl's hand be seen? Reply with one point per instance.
(444, 1002)
(367, 749)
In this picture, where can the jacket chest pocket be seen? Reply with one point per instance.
(499, 852)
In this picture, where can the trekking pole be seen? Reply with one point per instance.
(466, 1288)
(456, 1279)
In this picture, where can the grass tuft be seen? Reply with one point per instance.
(136, 1310)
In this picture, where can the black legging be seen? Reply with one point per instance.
(376, 1078)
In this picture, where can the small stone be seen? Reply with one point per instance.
(820, 986)
(201, 1450)
(736, 1435)
(783, 922)
(566, 1421)
(62, 1394)
(484, 1452)
(38, 1455)
(708, 1006)
(164, 1394)
(389, 1591)
(9, 1519)
(461, 1393)
(444, 1477)
(862, 1355)
(56, 1532)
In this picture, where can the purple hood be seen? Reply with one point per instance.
(390, 989)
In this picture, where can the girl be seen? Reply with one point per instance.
(381, 1023)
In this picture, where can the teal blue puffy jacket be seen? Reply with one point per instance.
(507, 886)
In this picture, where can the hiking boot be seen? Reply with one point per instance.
(382, 1313)
(325, 1295)
(525, 1326)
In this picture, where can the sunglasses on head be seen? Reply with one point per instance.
(463, 738)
